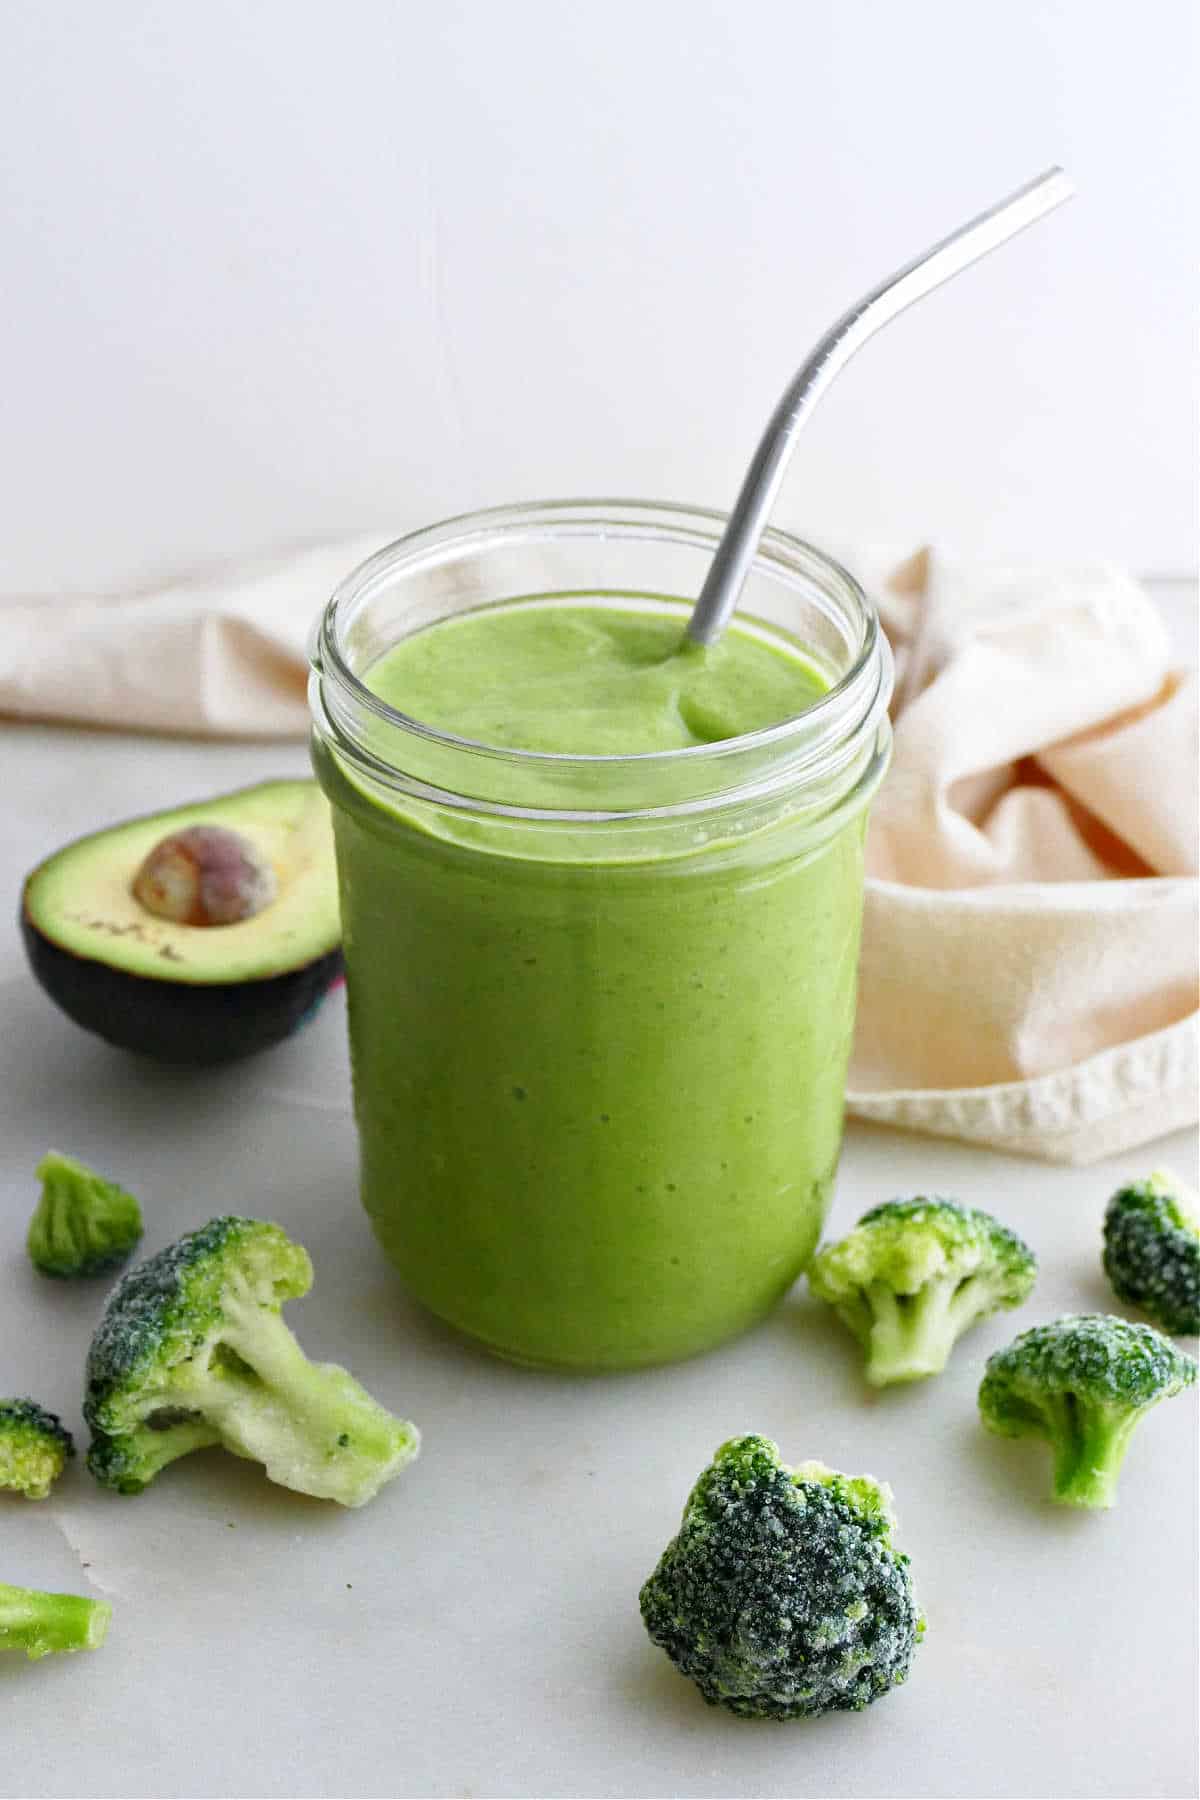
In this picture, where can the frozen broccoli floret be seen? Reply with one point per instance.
(781, 1596)
(193, 1351)
(913, 1275)
(1082, 1383)
(1152, 1251)
(40, 1624)
(34, 1447)
(83, 1224)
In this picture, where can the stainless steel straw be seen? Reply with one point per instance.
(735, 552)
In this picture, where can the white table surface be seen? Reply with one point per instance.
(474, 1631)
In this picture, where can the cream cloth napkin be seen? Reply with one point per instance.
(1029, 970)
(1029, 966)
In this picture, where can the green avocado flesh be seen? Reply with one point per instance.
(81, 900)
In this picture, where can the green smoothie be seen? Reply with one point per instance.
(590, 681)
(598, 1088)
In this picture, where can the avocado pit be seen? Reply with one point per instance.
(205, 875)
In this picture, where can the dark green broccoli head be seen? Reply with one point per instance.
(83, 1224)
(169, 1307)
(34, 1447)
(1152, 1251)
(781, 1596)
(1082, 1382)
(192, 1351)
(914, 1275)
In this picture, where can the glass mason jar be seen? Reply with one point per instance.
(600, 1006)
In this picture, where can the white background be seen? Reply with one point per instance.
(278, 268)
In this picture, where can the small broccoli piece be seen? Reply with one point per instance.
(34, 1447)
(913, 1275)
(83, 1224)
(192, 1351)
(1082, 1382)
(781, 1597)
(1152, 1251)
(40, 1624)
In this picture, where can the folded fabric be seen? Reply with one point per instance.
(1029, 968)
(1029, 965)
(220, 654)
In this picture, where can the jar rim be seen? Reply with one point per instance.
(326, 656)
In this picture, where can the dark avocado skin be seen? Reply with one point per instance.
(175, 1021)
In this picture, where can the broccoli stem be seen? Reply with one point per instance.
(40, 1624)
(1089, 1442)
(161, 1440)
(912, 1335)
(311, 1425)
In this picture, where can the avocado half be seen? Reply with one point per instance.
(190, 993)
